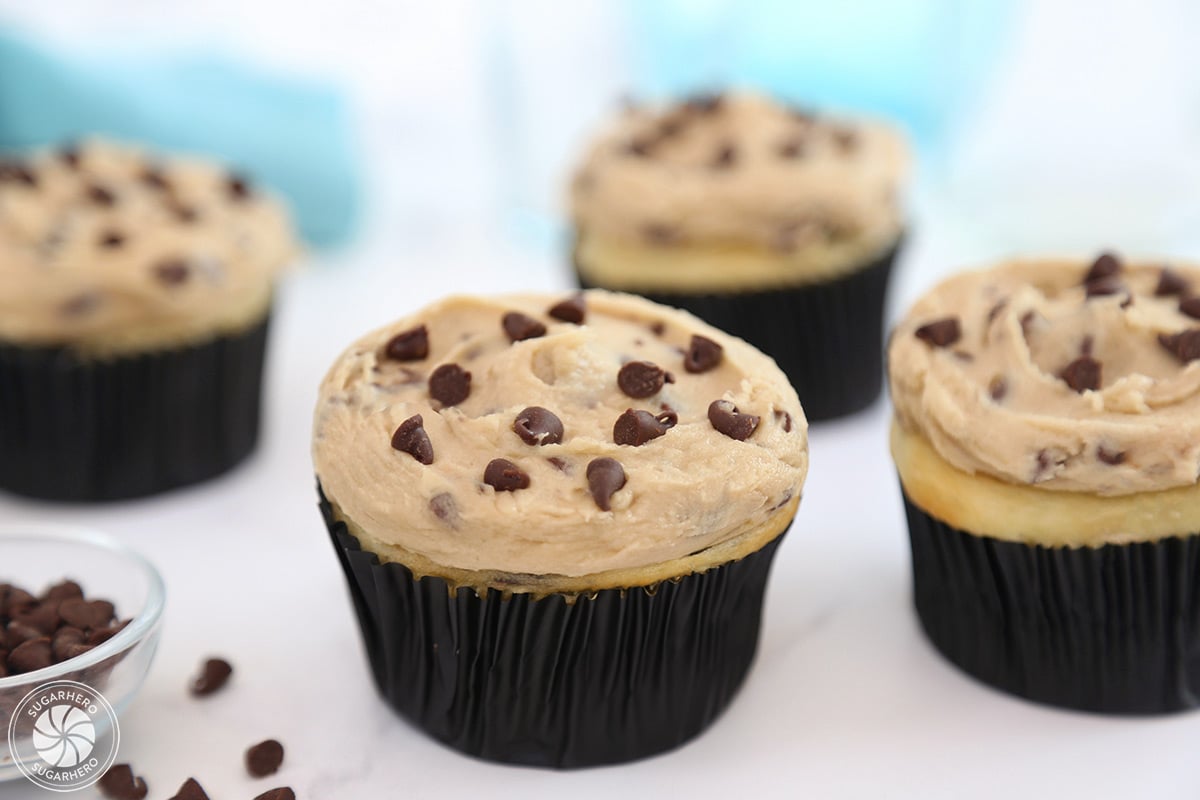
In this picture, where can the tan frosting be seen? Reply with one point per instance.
(691, 489)
(60, 284)
(821, 209)
(993, 402)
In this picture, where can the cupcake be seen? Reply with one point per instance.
(135, 293)
(556, 517)
(771, 223)
(1047, 438)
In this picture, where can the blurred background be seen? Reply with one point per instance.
(403, 130)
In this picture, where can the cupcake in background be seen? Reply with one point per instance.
(1047, 438)
(556, 517)
(775, 224)
(135, 292)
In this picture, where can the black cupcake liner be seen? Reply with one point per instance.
(827, 337)
(1113, 629)
(558, 681)
(79, 429)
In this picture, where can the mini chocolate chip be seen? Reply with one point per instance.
(640, 146)
(1184, 345)
(411, 438)
(410, 345)
(642, 379)
(101, 195)
(636, 427)
(16, 172)
(444, 508)
(520, 327)
(784, 419)
(846, 139)
(703, 354)
(264, 758)
(1105, 286)
(1082, 374)
(658, 328)
(30, 655)
(68, 154)
(658, 233)
(605, 476)
(1110, 457)
(791, 148)
(214, 674)
(119, 783)
(725, 157)
(995, 310)
(941, 332)
(237, 187)
(1170, 283)
(1087, 345)
(184, 213)
(538, 426)
(1047, 460)
(450, 384)
(505, 476)
(112, 239)
(1107, 265)
(560, 464)
(172, 272)
(191, 790)
(573, 309)
(154, 177)
(1190, 306)
(672, 125)
(281, 793)
(998, 388)
(63, 590)
(86, 613)
(1027, 320)
(726, 419)
(707, 103)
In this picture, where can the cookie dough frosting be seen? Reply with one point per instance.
(557, 436)
(809, 195)
(1063, 375)
(105, 247)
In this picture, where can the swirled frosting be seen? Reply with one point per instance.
(512, 468)
(741, 169)
(106, 247)
(1060, 374)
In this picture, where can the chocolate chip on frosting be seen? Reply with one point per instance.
(1190, 306)
(16, 172)
(450, 384)
(661, 234)
(704, 104)
(444, 508)
(846, 139)
(237, 187)
(725, 157)
(605, 477)
(1082, 374)
(111, 239)
(68, 154)
(154, 177)
(538, 426)
(791, 148)
(726, 419)
(641, 379)
(1184, 345)
(998, 388)
(703, 354)
(410, 437)
(1106, 265)
(520, 327)
(941, 332)
(505, 476)
(172, 272)
(636, 427)
(1111, 457)
(1105, 286)
(1170, 283)
(409, 345)
(101, 195)
(573, 309)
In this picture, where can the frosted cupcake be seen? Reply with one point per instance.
(556, 518)
(1047, 436)
(774, 224)
(134, 297)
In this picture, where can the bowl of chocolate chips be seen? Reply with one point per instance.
(75, 605)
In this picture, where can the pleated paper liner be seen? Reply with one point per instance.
(827, 337)
(1111, 629)
(79, 429)
(557, 681)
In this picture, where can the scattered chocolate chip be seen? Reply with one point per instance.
(573, 309)
(111, 239)
(538, 426)
(505, 476)
(1110, 457)
(846, 139)
(703, 354)
(940, 333)
(520, 327)
(605, 476)
(16, 172)
(636, 427)
(237, 187)
(86, 614)
(154, 178)
(444, 508)
(191, 790)
(726, 419)
(410, 345)
(1170, 283)
(725, 157)
(1107, 265)
(998, 388)
(658, 233)
(30, 655)
(642, 379)
(172, 272)
(264, 758)
(1184, 345)
(101, 196)
(450, 384)
(281, 793)
(1190, 306)
(1082, 374)
(120, 783)
(410, 437)
(214, 674)
(791, 148)
(1105, 286)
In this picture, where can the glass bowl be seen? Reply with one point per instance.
(35, 556)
